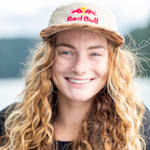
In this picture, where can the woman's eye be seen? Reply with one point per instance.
(65, 53)
(95, 54)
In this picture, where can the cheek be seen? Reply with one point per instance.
(101, 67)
(59, 70)
(60, 65)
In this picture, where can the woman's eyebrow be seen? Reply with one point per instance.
(65, 45)
(73, 47)
(96, 47)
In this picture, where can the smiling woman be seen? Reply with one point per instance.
(84, 55)
(78, 92)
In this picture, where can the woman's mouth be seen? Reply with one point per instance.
(79, 80)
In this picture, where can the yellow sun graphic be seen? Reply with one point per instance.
(83, 9)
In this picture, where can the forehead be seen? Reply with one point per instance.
(80, 36)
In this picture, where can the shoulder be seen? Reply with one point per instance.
(146, 125)
(3, 115)
(146, 119)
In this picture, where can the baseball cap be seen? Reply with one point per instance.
(86, 16)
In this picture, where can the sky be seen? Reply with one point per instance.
(26, 18)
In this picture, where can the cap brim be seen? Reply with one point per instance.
(111, 35)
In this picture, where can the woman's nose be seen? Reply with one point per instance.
(80, 65)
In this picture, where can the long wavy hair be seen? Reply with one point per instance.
(114, 121)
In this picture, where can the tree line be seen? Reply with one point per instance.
(13, 52)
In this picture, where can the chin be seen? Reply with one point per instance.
(81, 99)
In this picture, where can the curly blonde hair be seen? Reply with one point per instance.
(114, 121)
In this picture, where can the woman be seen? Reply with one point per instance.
(78, 92)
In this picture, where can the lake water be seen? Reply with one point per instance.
(10, 88)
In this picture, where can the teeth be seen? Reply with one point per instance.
(78, 81)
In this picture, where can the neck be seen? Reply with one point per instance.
(70, 116)
(71, 113)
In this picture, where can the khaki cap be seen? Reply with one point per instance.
(83, 16)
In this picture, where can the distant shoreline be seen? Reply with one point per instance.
(11, 87)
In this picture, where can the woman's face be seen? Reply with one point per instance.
(80, 70)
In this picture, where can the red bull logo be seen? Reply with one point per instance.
(86, 15)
